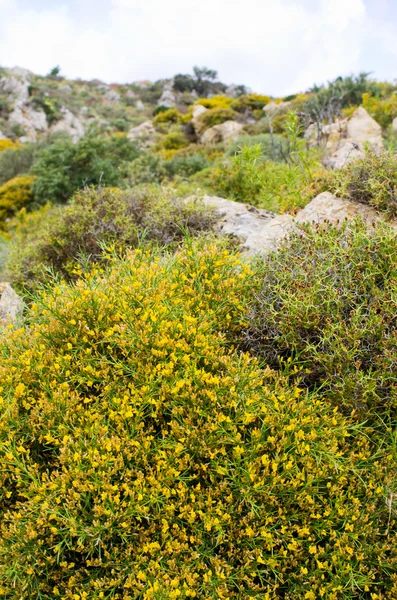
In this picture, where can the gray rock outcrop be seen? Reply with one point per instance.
(224, 132)
(69, 124)
(11, 304)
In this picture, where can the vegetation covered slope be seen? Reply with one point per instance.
(178, 419)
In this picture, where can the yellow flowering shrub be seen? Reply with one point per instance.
(14, 195)
(382, 110)
(7, 144)
(215, 102)
(250, 101)
(142, 457)
(168, 116)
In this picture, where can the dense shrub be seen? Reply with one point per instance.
(14, 195)
(174, 140)
(328, 303)
(7, 145)
(95, 217)
(16, 162)
(250, 102)
(65, 167)
(171, 115)
(142, 458)
(215, 102)
(371, 180)
(273, 147)
(186, 165)
(278, 187)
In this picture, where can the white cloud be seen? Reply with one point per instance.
(274, 46)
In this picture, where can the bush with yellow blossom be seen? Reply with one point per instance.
(142, 457)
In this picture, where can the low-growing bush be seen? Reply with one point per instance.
(95, 217)
(250, 102)
(170, 115)
(371, 180)
(14, 195)
(16, 162)
(273, 147)
(142, 458)
(383, 110)
(328, 304)
(174, 140)
(8, 145)
(64, 167)
(215, 102)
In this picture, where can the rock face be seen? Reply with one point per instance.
(345, 139)
(140, 105)
(112, 96)
(273, 108)
(69, 124)
(260, 231)
(394, 125)
(10, 303)
(144, 133)
(167, 98)
(225, 132)
(30, 120)
(327, 208)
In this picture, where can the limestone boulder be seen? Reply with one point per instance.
(144, 134)
(327, 208)
(11, 304)
(394, 125)
(69, 124)
(258, 230)
(224, 132)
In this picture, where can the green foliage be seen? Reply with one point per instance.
(171, 115)
(275, 186)
(93, 218)
(54, 73)
(215, 102)
(141, 457)
(327, 304)
(273, 147)
(250, 102)
(14, 195)
(174, 140)
(186, 165)
(183, 83)
(371, 180)
(65, 167)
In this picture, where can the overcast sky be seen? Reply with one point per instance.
(273, 46)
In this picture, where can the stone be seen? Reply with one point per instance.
(345, 139)
(327, 208)
(21, 72)
(30, 120)
(225, 132)
(69, 124)
(198, 110)
(272, 108)
(145, 134)
(139, 105)
(2, 136)
(112, 96)
(167, 99)
(11, 304)
(362, 128)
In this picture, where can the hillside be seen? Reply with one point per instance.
(198, 343)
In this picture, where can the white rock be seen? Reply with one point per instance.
(394, 125)
(272, 108)
(327, 208)
(198, 110)
(362, 128)
(346, 139)
(225, 132)
(167, 99)
(112, 96)
(139, 105)
(69, 124)
(2, 136)
(11, 304)
(32, 121)
(145, 134)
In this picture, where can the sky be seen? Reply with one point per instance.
(275, 47)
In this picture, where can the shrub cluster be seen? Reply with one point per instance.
(327, 304)
(14, 195)
(214, 116)
(371, 180)
(143, 458)
(55, 238)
